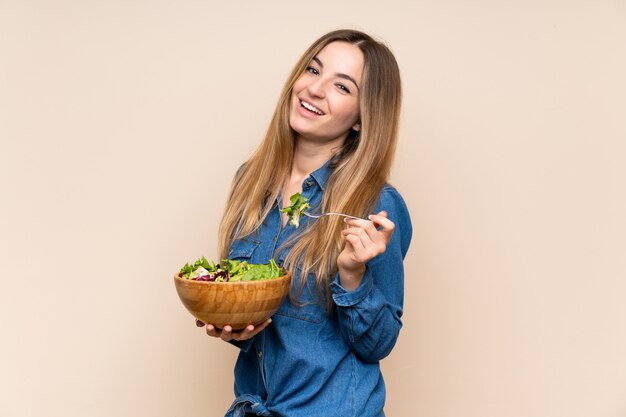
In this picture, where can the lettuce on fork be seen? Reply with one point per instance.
(298, 205)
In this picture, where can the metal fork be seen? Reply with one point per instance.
(317, 216)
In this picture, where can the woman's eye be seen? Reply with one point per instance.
(343, 88)
(312, 70)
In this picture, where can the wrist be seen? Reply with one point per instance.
(350, 278)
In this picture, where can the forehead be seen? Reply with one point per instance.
(344, 58)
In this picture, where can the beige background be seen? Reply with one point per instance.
(122, 123)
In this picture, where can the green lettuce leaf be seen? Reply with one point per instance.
(237, 270)
(295, 211)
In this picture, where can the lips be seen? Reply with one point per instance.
(311, 108)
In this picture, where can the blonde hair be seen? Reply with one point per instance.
(361, 167)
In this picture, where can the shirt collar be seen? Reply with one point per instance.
(322, 174)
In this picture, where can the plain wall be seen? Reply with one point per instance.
(123, 122)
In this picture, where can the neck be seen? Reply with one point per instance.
(309, 156)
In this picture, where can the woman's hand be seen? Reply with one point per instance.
(227, 334)
(364, 241)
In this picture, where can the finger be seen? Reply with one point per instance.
(251, 331)
(226, 333)
(372, 244)
(244, 334)
(262, 326)
(371, 228)
(381, 219)
(354, 222)
(386, 225)
(370, 249)
(357, 243)
(369, 236)
(212, 331)
(348, 245)
(362, 222)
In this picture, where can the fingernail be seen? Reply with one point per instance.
(346, 220)
(369, 217)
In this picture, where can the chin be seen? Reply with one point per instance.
(299, 126)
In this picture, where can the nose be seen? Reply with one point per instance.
(317, 87)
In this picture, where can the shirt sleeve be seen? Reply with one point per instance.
(370, 316)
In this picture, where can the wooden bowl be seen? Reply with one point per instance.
(237, 304)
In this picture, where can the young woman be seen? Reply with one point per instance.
(332, 138)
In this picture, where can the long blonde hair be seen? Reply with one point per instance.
(360, 168)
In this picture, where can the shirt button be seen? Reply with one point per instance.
(260, 354)
(275, 238)
(309, 183)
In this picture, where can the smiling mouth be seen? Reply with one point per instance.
(311, 108)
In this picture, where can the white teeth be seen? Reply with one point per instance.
(311, 107)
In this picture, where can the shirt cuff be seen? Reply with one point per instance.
(242, 344)
(345, 298)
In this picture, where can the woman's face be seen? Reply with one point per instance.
(325, 98)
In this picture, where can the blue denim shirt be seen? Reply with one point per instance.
(307, 362)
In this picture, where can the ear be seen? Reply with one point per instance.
(357, 126)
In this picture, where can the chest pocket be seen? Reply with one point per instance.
(243, 249)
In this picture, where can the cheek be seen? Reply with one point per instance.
(293, 101)
(298, 86)
(350, 111)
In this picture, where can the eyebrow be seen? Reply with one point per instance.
(339, 74)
